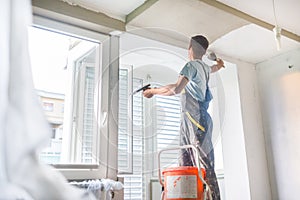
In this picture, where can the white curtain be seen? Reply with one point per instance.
(23, 126)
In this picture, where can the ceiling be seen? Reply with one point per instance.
(287, 11)
(114, 8)
(238, 29)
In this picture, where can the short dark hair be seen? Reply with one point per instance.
(199, 45)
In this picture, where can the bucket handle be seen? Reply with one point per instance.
(177, 148)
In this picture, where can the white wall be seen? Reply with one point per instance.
(250, 140)
(233, 142)
(253, 133)
(280, 98)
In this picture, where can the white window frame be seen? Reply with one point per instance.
(105, 168)
(76, 152)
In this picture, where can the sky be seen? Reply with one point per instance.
(48, 54)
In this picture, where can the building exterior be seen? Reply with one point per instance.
(53, 106)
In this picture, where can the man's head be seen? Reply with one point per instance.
(198, 46)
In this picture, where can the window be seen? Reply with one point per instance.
(131, 131)
(69, 70)
(48, 106)
(83, 128)
(167, 116)
(64, 70)
(125, 122)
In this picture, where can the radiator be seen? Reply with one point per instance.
(103, 189)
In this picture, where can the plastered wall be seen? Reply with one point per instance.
(279, 87)
(248, 142)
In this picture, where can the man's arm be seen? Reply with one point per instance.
(217, 66)
(167, 90)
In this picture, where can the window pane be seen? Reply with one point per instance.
(64, 70)
(124, 135)
(130, 135)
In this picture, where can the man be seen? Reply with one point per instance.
(196, 123)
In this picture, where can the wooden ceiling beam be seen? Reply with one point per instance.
(139, 10)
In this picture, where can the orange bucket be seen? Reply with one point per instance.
(183, 183)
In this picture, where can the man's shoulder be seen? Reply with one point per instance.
(199, 64)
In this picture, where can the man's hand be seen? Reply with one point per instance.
(217, 66)
(148, 93)
(220, 63)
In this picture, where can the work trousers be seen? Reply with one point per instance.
(196, 129)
